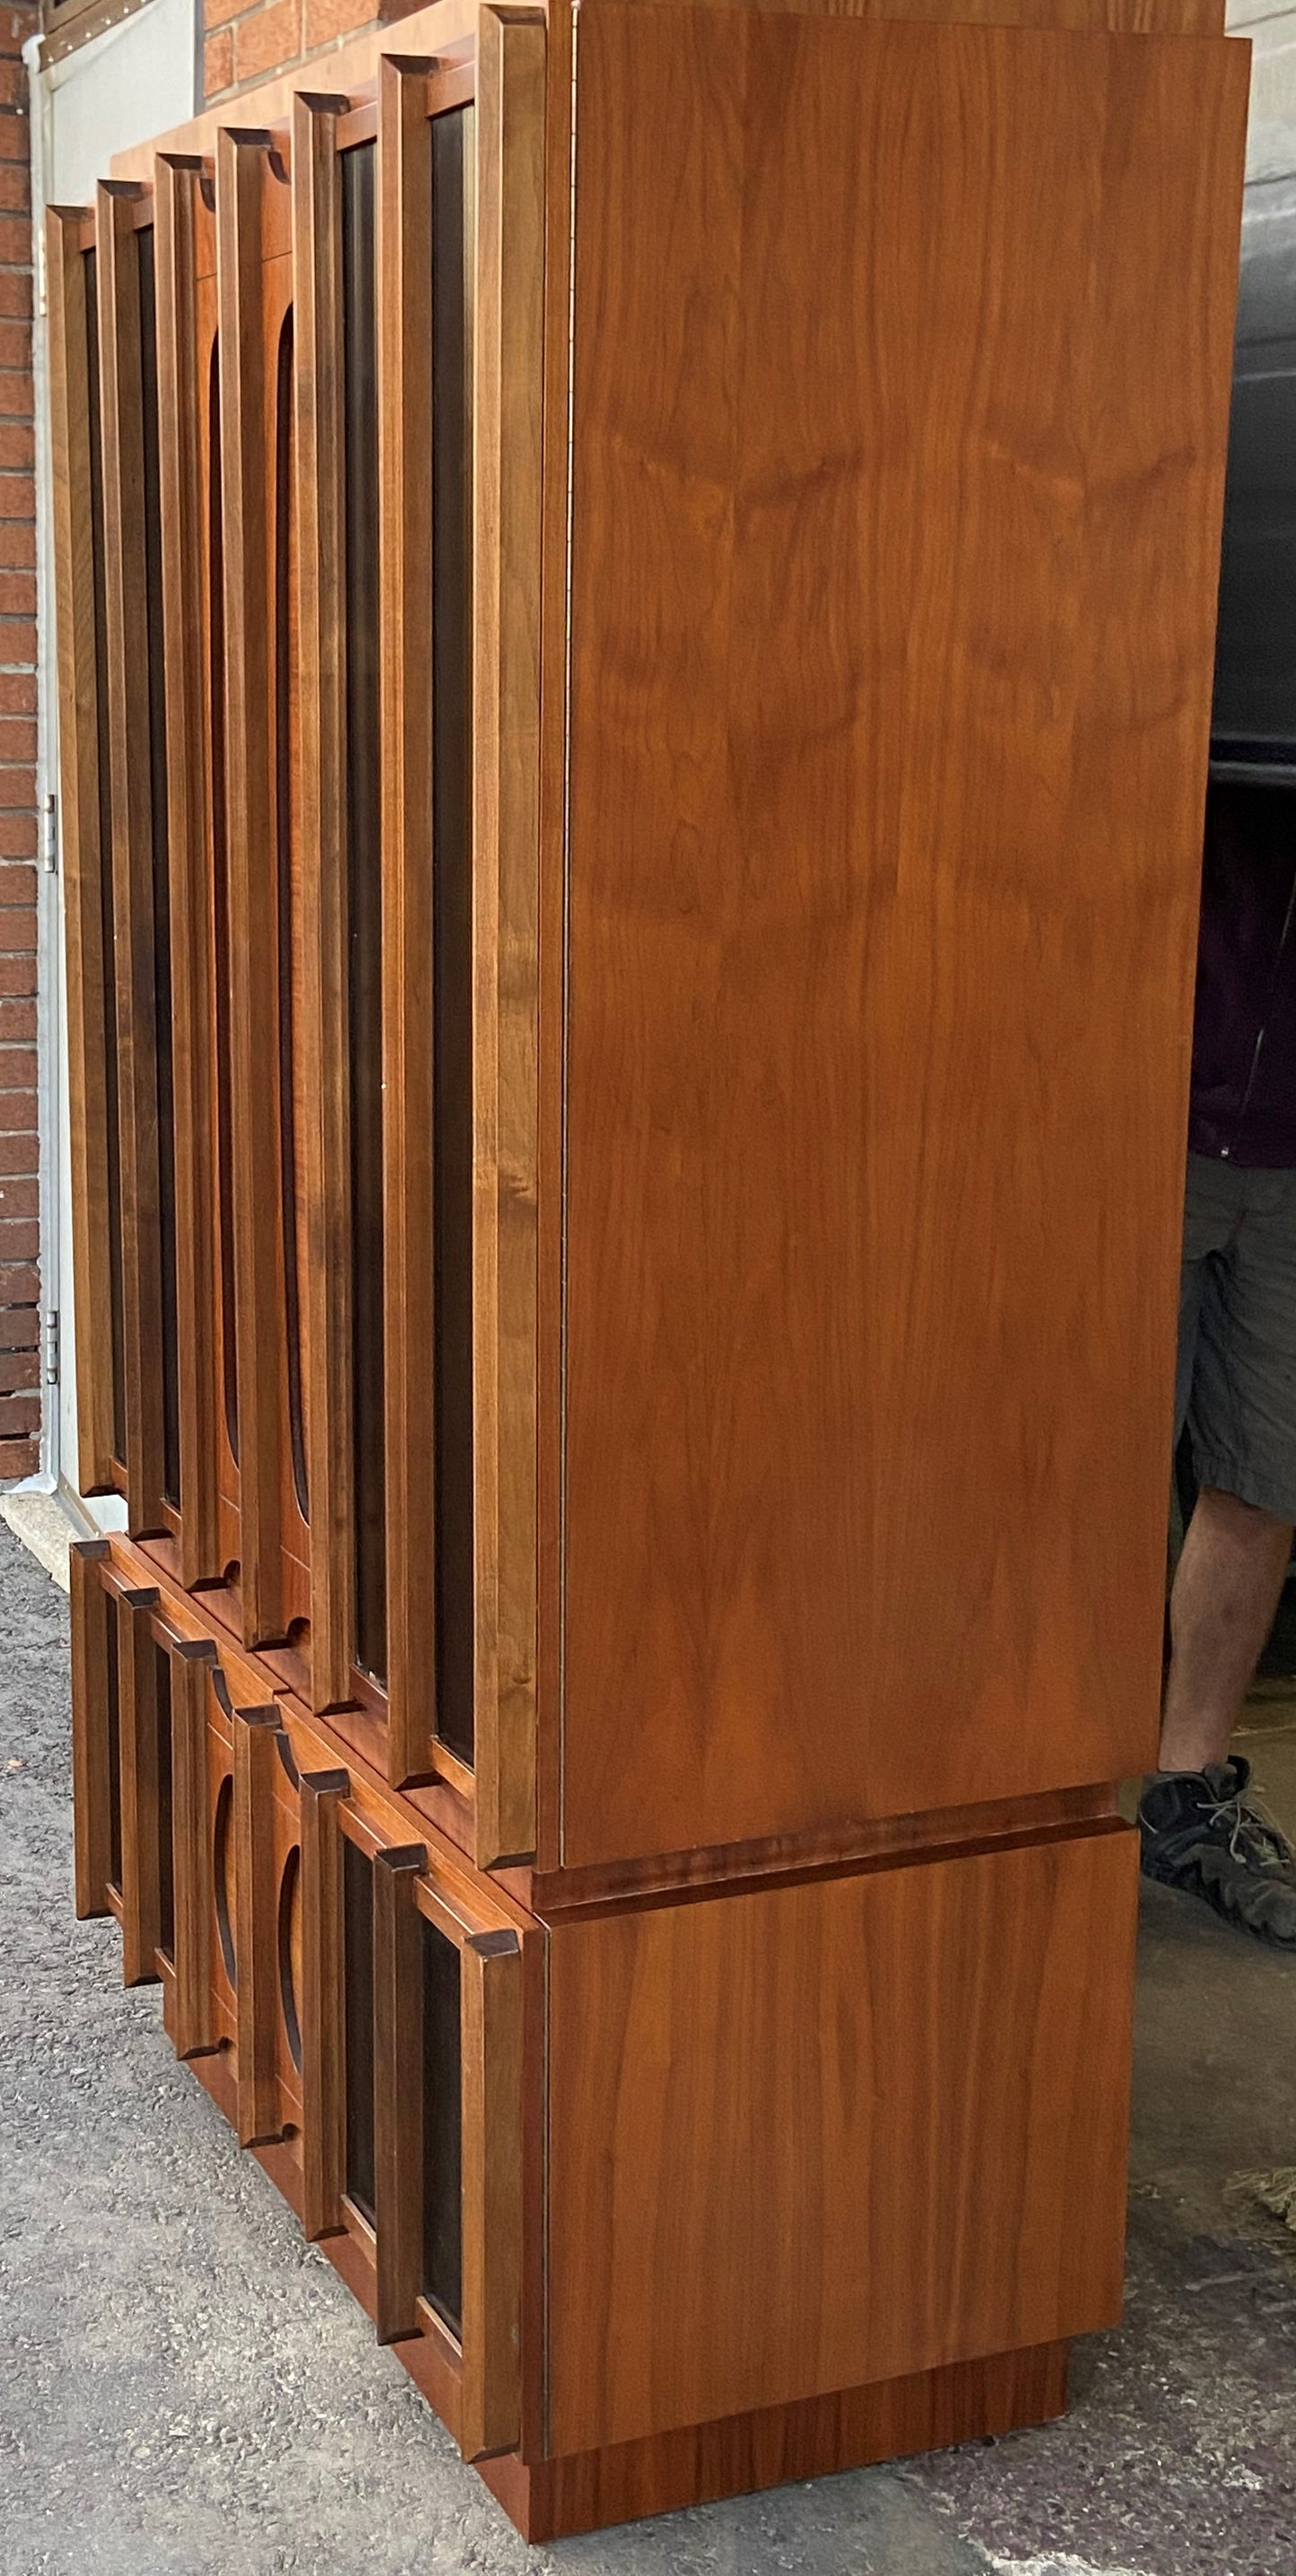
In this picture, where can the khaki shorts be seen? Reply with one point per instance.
(1236, 1384)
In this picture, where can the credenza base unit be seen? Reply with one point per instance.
(657, 2196)
(635, 595)
(969, 2401)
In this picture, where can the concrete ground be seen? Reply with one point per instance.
(187, 2390)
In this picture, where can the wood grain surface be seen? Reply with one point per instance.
(194, 2021)
(398, 2078)
(970, 2401)
(828, 2134)
(93, 1787)
(492, 2004)
(507, 407)
(180, 217)
(83, 787)
(902, 360)
(317, 367)
(826, 1061)
(256, 1927)
(128, 646)
(551, 1123)
(1112, 17)
(323, 2028)
(141, 1853)
(404, 225)
(241, 185)
(450, 24)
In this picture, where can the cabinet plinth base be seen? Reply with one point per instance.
(777, 2445)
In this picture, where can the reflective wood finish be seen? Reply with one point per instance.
(405, 453)
(87, 899)
(194, 2031)
(140, 1883)
(131, 644)
(635, 607)
(244, 176)
(180, 213)
(94, 1784)
(888, 756)
(322, 2033)
(507, 403)
(317, 348)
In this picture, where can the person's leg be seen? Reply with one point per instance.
(1226, 1592)
(1200, 1833)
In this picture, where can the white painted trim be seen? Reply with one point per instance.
(51, 1037)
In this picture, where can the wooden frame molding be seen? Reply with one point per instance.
(241, 163)
(256, 1901)
(323, 2019)
(122, 401)
(405, 577)
(192, 1659)
(80, 719)
(139, 1718)
(321, 522)
(491, 2400)
(508, 410)
(92, 1785)
(398, 2090)
(551, 1346)
(178, 203)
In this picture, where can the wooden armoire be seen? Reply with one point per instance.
(635, 604)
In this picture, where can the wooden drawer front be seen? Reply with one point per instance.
(818, 2136)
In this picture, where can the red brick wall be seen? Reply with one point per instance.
(244, 44)
(20, 1400)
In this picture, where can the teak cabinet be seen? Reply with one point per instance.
(635, 615)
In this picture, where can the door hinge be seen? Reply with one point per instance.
(50, 834)
(50, 1346)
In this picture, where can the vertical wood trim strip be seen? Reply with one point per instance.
(398, 2090)
(91, 1780)
(141, 1885)
(70, 433)
(191, 1666)
(256, 1923)
(183, 519)
(126, 602)
(508, 408)
(405, 578)
(323, 2020)
(491, 2400)
(561, 115)
(240, 167)
(321, 522)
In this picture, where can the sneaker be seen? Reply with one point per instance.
(1198, 1833)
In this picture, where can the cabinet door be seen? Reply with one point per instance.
(902, 360)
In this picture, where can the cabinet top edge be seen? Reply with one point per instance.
(352, 68)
